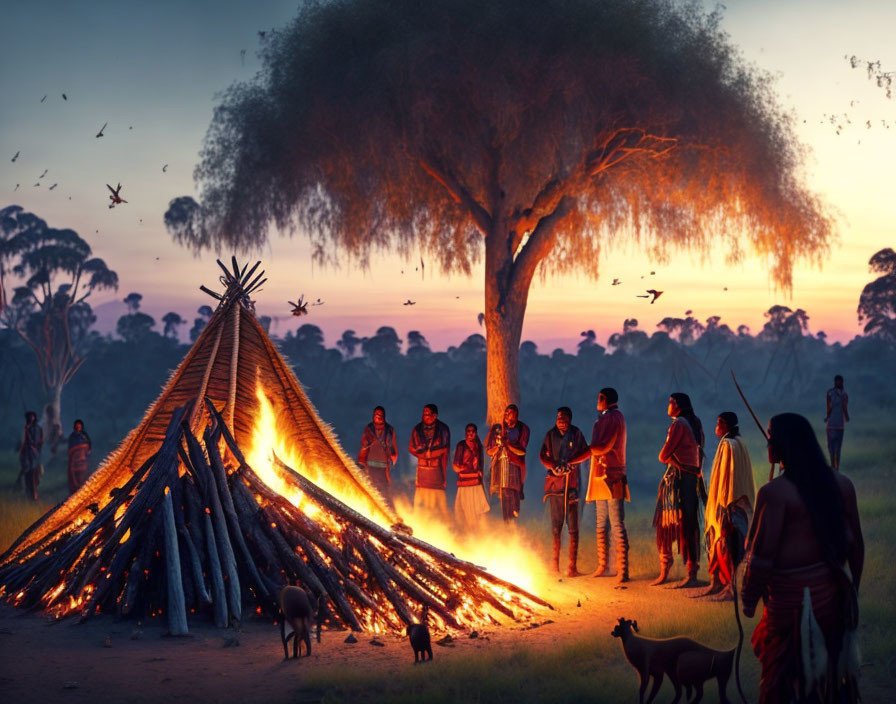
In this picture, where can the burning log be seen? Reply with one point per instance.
(191, 532)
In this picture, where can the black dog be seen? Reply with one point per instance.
(418, 634)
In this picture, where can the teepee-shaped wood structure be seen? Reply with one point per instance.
(169, 524)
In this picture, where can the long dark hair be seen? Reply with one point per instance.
(687, 412)
(803, 462)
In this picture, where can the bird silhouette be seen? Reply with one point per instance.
(100, 133)
(165, 168)
(299, 308)
(481, 319)
(64, 96)
(651, 292)
(43, 99)
(243, 57)
(318, 302)
(52, 187)
(16, 188)
(409, 302)
(261, 34)
(15, 157)
(616, 282)
(43, 174)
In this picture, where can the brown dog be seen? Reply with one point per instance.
(297, 608)
(685, 661)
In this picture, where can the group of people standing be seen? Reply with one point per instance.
(797, 535)
(562, 452)
(30, 450)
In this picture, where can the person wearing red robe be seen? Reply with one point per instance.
(79, 447)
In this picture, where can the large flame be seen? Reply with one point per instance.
(505, 551)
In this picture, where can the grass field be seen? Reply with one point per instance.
(589, 665)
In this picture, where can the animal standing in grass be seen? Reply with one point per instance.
(297, 608)
(685, 661)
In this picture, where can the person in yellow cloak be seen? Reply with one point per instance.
(729, 507)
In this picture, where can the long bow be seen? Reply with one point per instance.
(771, 471)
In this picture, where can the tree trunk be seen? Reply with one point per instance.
(52, 417)
(505, 307)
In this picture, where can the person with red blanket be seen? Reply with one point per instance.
(79, 447)
(805, 533)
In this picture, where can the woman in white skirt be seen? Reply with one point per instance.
(470, 505)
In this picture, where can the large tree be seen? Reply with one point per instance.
(877, 304)
(49, 309)
(535, 132)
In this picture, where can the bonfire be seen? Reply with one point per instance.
(177, 521)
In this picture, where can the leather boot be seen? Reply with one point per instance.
(555, 557)
(571, 570)
(665, 566)
(601, 554)
(622, 559)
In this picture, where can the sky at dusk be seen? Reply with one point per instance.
(152, 71)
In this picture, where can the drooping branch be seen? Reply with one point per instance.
(460, 193)
(623, 143)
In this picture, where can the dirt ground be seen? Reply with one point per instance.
(105, 660)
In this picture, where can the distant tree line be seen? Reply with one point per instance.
(781, 367)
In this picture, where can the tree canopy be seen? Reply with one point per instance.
(384, 123)
(877, 304)
(535, 132)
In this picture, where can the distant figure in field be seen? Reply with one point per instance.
(729, 506)
(379, 451)
(79, 447)
(675, 518)
(835, 419)
(805, 531)
(563, 450)
(470, 504)
(608, 485)
(29, 455)
(430, 443)
(506, 445)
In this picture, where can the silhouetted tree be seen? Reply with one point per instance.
(205, 314)
(877, 304)
(532, 131)
(50, 310)
(588, 340)
(172, 322)
(349, 343)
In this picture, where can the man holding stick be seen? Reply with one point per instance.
(563, 450)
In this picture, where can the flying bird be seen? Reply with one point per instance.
(616, 282)
(16, 188)
(300, 307)
(116, 196)
(64, 96)
(165, 168)
(36, 184)
(261, 33)
(243, 57)
(318, 302)
(100, 133)
(651, 292)
(43, 174)
(409, 302)
(653, 273)
(52, 187)
(481, 319)
(43, 99)
(15, 157)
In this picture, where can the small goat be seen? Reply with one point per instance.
(685, 661)
(297, 608)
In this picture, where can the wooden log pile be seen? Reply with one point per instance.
(195, 531)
